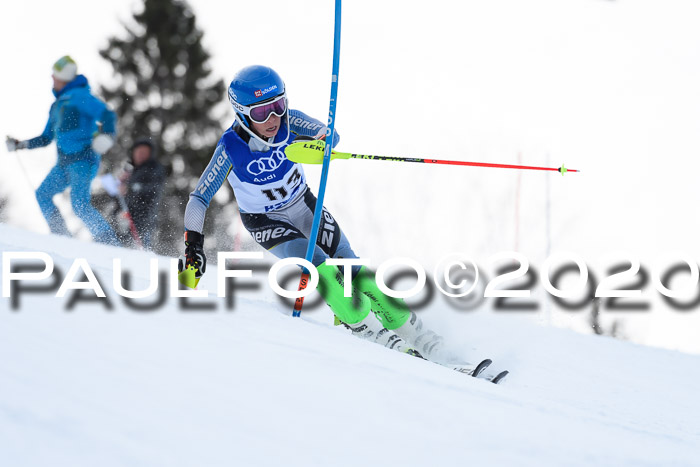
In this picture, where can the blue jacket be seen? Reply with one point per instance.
(73, 120)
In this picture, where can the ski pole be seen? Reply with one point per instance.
(12, 146)
(309, 152)
(111, 186)
(326, 160)
(127, 215)
(26, 174)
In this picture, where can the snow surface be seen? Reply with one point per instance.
(254, 387)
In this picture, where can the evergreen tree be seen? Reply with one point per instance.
(164, 89)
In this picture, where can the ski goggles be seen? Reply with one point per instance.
(260, 113)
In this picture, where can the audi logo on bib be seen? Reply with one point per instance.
(267, 164)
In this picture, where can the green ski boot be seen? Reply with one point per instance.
(354, 311)
(395, 315)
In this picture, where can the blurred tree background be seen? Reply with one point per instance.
(164, 89)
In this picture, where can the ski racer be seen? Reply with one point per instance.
(73, 123)
(277, 209)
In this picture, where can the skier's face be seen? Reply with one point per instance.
(269, 128)
(58, 84)
(141, 154)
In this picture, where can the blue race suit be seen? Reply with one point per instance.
(276, 205)
(73, 120)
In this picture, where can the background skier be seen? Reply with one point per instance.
(84, 128)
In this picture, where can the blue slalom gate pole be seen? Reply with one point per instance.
(330, 133)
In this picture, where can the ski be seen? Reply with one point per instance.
(499, 377)
(478, 371)
(470, 370)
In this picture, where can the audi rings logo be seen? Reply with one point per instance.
(267, 164)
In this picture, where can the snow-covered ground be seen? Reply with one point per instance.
(253, 387)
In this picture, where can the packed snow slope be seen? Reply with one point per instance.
(93, 386)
